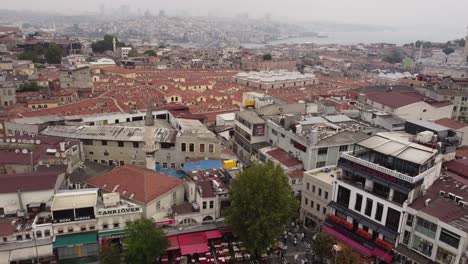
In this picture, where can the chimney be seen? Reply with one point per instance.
(313, 136)
(62, 146)
(20, 200)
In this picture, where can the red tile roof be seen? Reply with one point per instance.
(6, 228)
(447, 122)
(458, 166)
(28, 182)
(283, 157)
(297, 174)
(393, 99)
(132, 181)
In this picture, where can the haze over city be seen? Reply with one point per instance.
(233, 132)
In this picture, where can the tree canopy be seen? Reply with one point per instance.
(53, 54)
(109, 253)
(29, 55)
(448, 50)
(144, 242)
(394, 56)
(261, 205)
(323, 246)
(347, 256)
(106, 44)
(29, 87)
(151, 53)
(267, 57)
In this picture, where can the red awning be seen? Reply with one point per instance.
(213, 234)
(193, 243)
(173, 243)
(386, 256)
(192, 249)
(355, 245)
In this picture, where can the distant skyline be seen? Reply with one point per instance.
(439, 18)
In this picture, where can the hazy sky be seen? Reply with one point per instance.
(432, 15)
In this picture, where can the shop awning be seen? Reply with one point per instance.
(75, 240)
(213, 234)
(193, 243)
(112, 234)
(173, 243)
(381, 254)
(355, 245)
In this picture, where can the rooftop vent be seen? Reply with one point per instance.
(427, 202)
(442, 193)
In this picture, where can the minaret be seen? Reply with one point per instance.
(465, 53)
(150, 144)
(114, 45)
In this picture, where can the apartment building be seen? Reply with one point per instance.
(7, 94)
(381, 176)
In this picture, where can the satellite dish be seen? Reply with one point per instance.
(65, 161)
(17, 151)
(8, 140)
(13, 140)
(25, 151)
(38, 142)
(57, 154)
(19, 141)
(64, 154)
(40, 162)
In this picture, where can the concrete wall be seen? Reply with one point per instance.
(10, 203)
(165, 202)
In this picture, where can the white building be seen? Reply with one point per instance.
(275, 79)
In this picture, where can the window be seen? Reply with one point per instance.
(211, 204)
(322, 151)
(158, 205)
(192, 147)
(47, 233)
(91, 227)
(173, 165)
(70, 229)
(5, 239)
(183, 147)
(320, 192)
(449, 238)
(136, 145)
(116, 225)
(306, 201)
(311, 204)
(368, 210)
(406, 237)
(105, 226)
(104, 142)
(307, 186)
(343, 196)
(326, 195)
(320, 164)
(120, 144)
(19, 237)
(60, 231)
(409, 220)
(379, 212)
(38, 234)
(86, 142)
(318, 207)
(204, 205)
(464, 98)
(164, 164)
(393, 219)
(343, 148)
(211, 148)
(423, 246)
(202, 148)
(324, 210)
(174, 197)
(28, 236)
(91, 153)
(313, 188)
(83, 228)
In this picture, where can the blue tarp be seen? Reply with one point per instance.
(202, 165)
(170, 171)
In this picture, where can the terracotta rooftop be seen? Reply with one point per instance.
(28, 182)
(454, 124)
(283, 157)
(130, 182)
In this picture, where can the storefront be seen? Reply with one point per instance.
(76, 246)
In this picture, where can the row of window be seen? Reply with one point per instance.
(319, 192)
(28, 236)
(317, 207)
(120, 144)
(174, 201)
(70, 229)
(429, 229)
(190, 147)
(205, 205)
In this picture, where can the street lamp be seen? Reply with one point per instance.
(337, 249)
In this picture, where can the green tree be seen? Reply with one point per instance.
(261, 205)
(347, 256)
(132, 53)
(109, 253)
(144, 242)
(394, 56)
(106, 44)
(323, 246)
(29, 55)
(448, 50)
(267, 57)
(151, 53)
(53, 54)
(29, 87)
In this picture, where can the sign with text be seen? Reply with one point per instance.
(114, 211)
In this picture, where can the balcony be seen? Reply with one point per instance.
(387, 171)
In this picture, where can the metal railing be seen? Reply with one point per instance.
(390, 172)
